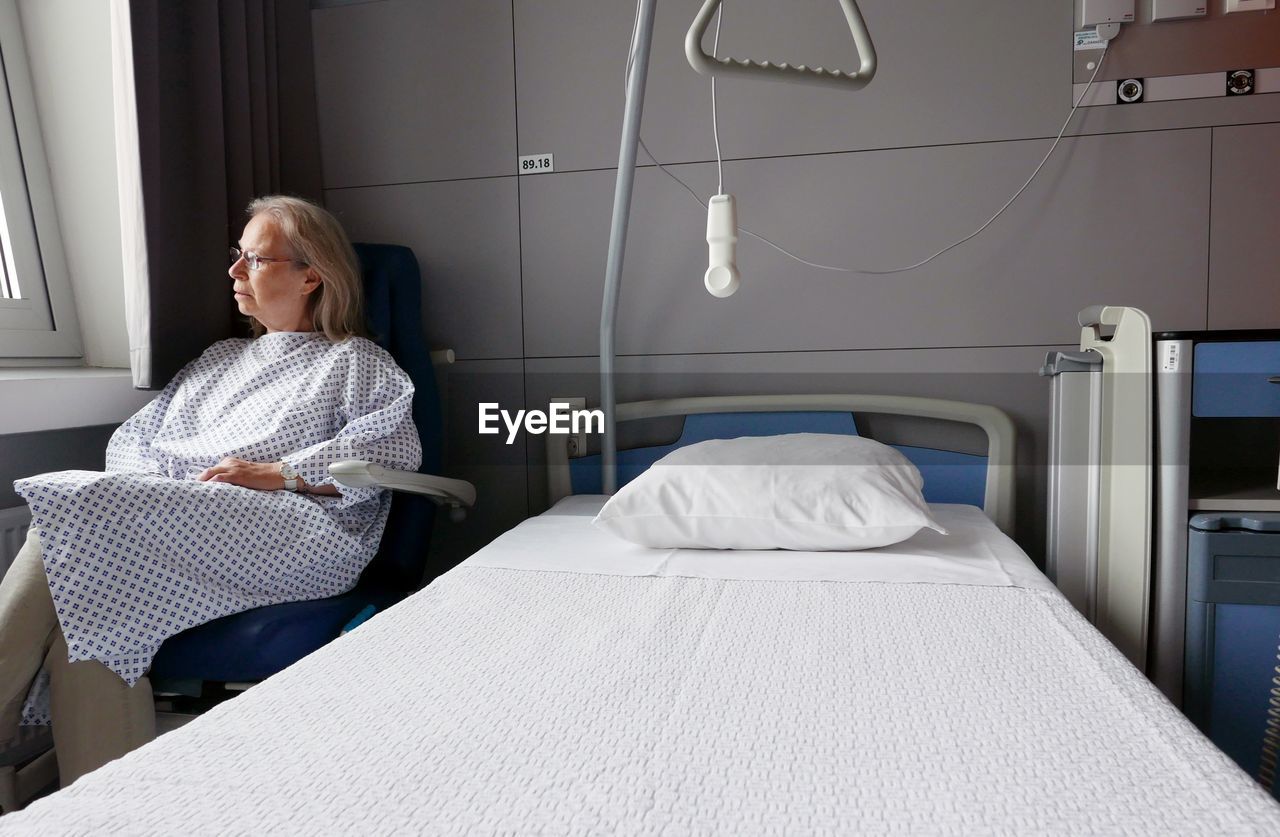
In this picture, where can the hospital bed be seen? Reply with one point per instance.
(565, 681)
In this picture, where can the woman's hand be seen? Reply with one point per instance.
(264, 476)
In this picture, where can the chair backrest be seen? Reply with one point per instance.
(393, 306)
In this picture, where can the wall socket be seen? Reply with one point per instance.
(577, 442)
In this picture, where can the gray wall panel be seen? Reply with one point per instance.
(947, 74)
(466, 236)
(935, 85)
(415, 91)
(1120, 217)
(1244, 269)
(1190, 113)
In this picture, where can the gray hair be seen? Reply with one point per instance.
(318, 240)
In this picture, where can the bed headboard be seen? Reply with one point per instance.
(950, 477)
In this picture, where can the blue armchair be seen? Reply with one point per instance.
(255, 644)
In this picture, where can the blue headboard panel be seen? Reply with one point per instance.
(949, 477)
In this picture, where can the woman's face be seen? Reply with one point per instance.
(278, 293)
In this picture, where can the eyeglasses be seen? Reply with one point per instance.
(253, 260)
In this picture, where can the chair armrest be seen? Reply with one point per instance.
(458, 495)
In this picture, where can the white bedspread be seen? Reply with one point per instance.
(522, 702)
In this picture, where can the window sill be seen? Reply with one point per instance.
(45, 398)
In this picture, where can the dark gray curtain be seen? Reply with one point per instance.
(226, 111)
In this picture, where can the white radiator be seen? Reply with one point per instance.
(13, 534)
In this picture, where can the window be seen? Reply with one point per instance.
(37, 312)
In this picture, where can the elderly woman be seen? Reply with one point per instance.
(216, 498)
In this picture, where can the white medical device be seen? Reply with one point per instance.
(722, 277)
(1102, 12)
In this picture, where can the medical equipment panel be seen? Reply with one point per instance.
(1237, 379)
(1094, 12)
(1217, 444)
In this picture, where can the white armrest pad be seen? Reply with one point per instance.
(359, 474)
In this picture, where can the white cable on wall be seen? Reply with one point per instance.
(719, 168)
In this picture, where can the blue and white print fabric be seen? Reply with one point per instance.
(143, 551)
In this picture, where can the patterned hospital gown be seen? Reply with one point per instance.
(143, 551)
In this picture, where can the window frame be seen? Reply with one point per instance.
(42, 327)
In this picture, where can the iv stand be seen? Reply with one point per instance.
(618, 239)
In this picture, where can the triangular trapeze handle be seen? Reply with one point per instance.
(709, 66)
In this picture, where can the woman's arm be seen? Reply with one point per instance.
(376, 424)
(263, 476)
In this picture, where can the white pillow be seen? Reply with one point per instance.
(802, 491)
